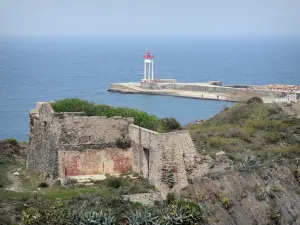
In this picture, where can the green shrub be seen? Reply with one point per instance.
(217, 142)
(114, 182)
(271, 136)
(11, 141)
(170, 124)
(171, 197)
(72, 105)
(254, 100)
(31, 216)
(58, 214)
(288, 151)
(46, 213)
(268, 124)
(141, 118)
(226, 202)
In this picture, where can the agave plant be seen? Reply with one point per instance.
(143, 217)
(182, 214)
(248, 163)
(93, 218)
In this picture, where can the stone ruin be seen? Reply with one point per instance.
(73, 144)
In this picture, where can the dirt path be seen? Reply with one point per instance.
(14, 180)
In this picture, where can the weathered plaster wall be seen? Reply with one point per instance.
(94, 161)
(86, 130)
(155, 154)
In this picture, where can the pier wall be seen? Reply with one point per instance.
(225, 90)
(199, 90)
(122, 87)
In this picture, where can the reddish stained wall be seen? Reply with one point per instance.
(92, 162)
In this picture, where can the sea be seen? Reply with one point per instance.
(36, 69)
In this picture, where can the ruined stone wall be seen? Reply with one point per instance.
(73, 144)
(162, 158)
(43, 141)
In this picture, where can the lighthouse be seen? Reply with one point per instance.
(148, 67)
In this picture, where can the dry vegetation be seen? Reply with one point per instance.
(252, 129)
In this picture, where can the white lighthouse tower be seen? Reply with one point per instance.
(148, 67)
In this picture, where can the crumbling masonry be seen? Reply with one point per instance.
(72, 144)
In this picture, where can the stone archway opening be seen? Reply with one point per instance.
(146, 163)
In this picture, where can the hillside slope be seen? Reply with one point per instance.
(262, 184)
(251, 129)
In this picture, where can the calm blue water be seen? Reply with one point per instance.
(35, 69)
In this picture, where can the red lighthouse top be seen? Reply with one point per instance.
(148, 55)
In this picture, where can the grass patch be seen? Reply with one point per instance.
(141, 118)
(47, 203)
(68, 193)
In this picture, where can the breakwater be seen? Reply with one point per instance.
(205, 91)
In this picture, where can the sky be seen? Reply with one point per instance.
(150, 18)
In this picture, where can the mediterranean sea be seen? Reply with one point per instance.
(45, 69)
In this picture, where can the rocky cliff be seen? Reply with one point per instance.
(266, 194)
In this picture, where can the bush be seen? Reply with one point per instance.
(171, 197)
(114, 182)
(170, 124)
(271, 137)
(141, 118)
(72, 105)
(254, 100)
(46, 213)
(31, 216)
(226, 202)
(11, 141)
(217, 142)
